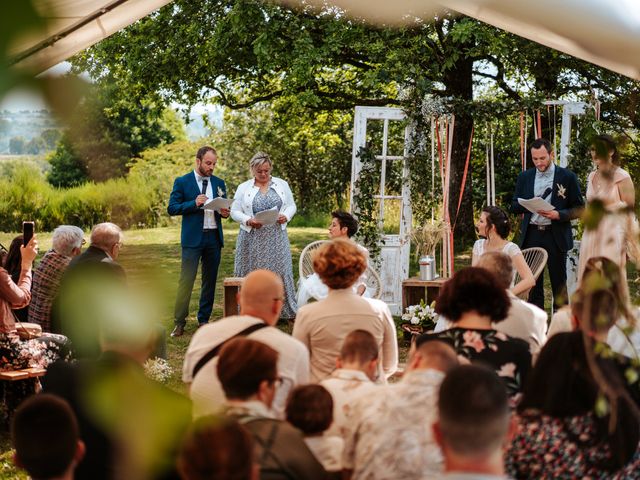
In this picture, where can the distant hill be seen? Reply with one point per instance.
(27, 126)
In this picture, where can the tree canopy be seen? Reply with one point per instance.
(243, 53)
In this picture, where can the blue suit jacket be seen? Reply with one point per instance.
(183, 202)
(568, 205)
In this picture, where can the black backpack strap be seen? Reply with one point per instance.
(215, 350)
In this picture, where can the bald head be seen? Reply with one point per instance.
(433, 354)
(261, 296)
(500, 265)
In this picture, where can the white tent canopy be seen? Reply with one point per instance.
(74, 25)
(603, 32)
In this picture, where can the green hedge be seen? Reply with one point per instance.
(130, 202)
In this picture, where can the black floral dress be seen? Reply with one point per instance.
(508, 356)
(562, 448)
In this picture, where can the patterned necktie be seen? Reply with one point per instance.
(205, 182)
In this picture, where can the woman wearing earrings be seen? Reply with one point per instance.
(613, 187)
(494, 227)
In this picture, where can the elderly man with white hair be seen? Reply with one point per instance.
(67, 243)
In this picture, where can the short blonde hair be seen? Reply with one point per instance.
(258, 159)
(339, 263)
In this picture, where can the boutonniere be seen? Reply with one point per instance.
(220, 192)
(562, 191)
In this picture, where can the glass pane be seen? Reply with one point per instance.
(395, 140)
(392, 214)
(393, 178)
(375, 129)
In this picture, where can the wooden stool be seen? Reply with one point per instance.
(414, 290)
(232, 286)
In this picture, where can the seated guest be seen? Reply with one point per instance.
(623, 335)
(474, 424)
(388, 434)
(16, 294)
(473, 300)
(217, 448)
(343, 225)
(322, 326)
(248, 372)
(356, 370)
(524, 320)
(493, 226)
(132, 426)
(66, 243)
(260, 301)
(45, 435)
(310, 410)
(40, 351)
(86, 276)
(13, 264)
(574, 419)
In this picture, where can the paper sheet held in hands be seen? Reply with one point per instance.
(218, 203)
(536, 204)
(267, 217)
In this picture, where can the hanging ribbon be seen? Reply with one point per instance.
(526, 146)
(464, 178)
(539, 123)
(433, 164)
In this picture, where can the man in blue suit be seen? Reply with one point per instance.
(550, 230)
(201, 237)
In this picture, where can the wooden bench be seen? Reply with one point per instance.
(13, 392)
(13, 375)
(232, 287)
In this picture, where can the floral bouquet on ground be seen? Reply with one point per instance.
(419, 318)
(158, 369)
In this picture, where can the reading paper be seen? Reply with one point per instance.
(536, 204)
(218, 203)
(267, 217)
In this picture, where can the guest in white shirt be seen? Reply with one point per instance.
(474, 424)
(322, 326)
(388, 434)
(621, 338)
(356, 370)
(261, 299)
(310, 410)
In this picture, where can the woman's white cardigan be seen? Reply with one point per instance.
(242, 207)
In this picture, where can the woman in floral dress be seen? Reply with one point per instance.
(265, 246)
(472, 300)
(568, 428)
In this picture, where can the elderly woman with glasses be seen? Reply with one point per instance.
(265, 246)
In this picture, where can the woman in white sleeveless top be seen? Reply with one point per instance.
(494, 226)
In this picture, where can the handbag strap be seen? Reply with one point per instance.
(215, 350)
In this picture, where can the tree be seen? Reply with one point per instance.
(35, 146)
(240, 53)
(107, 130)
(17, 145)
(50, 137)
(67, 170)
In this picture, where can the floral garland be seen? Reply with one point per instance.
(364, 205)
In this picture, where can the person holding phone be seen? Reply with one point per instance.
(16, 294)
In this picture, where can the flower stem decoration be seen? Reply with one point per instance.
(427, 237)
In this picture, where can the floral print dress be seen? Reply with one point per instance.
(562, 448)
(508, 356)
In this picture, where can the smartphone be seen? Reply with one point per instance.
(27, 232)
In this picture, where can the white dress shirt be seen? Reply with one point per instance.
(543, 181)
(209, 217)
